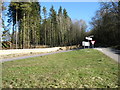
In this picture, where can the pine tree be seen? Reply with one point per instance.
(21, 14)
(65, 17)
(59, 19)
(44, 21)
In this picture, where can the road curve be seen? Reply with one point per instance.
(114, 54)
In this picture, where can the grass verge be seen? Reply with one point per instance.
(85, 68)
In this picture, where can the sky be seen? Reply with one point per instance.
(75, 10)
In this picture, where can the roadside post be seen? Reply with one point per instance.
(85, 44)
(93, 42)
(89, 39)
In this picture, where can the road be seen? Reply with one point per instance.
(114, 54)
(107, 51)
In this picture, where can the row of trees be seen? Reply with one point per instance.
(25, 20)
(59, 30)
(33, 26)
(105, 24)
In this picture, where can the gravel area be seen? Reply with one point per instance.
(18, 51)
(12, 53)
(37, 55)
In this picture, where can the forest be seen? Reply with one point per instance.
(105, 24)
(30, 29)
(33, 26)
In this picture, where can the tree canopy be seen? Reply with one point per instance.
(105, 24)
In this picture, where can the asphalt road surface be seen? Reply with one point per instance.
(114, 54)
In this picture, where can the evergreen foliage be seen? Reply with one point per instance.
(30, 29)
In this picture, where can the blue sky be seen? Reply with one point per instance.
(76, 10)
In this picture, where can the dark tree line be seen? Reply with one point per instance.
(106, 23)
(33, 26)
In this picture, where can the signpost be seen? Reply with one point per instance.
(89, 38)
(93, 42)
(85, 44)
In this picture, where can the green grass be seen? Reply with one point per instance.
(86, 68)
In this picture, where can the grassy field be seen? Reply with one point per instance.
(85, 68)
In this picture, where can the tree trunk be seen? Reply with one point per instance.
(12, 40)
(28, 42)
(16, 31)
(23, 46)
(45, 33)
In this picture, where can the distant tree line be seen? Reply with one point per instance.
(106, 23)
(33, 26)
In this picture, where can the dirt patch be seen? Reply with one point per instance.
(7, 54)
(17, 55)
